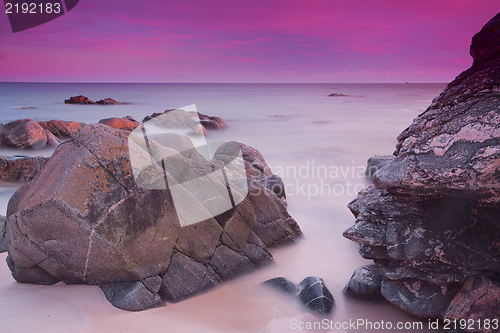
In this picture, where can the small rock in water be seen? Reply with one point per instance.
(107, 101)
(315, 295)
(312, 293)
(283, 284)
(78, 100)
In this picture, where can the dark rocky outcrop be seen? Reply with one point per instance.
(62, 128)
(78, 100)
(478, 304)
(85, 219)
(107, 101)
(85, 100)
(311, 292)
(26, 133)
(430, 221)
(21, 168)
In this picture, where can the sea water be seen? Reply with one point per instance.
(318, 144)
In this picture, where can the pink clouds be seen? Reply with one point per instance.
(248, 41)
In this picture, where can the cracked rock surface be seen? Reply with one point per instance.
(83, 219)
(431, 219)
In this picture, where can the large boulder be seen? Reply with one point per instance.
(97, 215)
(430, 221)
(26, 133)
(21, 168)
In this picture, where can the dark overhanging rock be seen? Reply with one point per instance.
(430, 221)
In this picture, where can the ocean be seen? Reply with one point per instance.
(318, 145)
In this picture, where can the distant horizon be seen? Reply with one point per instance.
(408, 82)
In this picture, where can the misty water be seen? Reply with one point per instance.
(318, 145)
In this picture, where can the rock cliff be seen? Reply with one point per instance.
(431, 219)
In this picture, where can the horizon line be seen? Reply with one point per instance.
(110, 82)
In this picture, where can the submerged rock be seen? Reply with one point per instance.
(78, 100)
(283, 284)
(311, 292)
(97, 214)
(107, 101)
(430, 221)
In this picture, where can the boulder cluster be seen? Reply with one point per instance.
(31, 134)
(85, 100)
(27, 133)
(431, 219)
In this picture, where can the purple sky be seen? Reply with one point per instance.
(248, 41)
